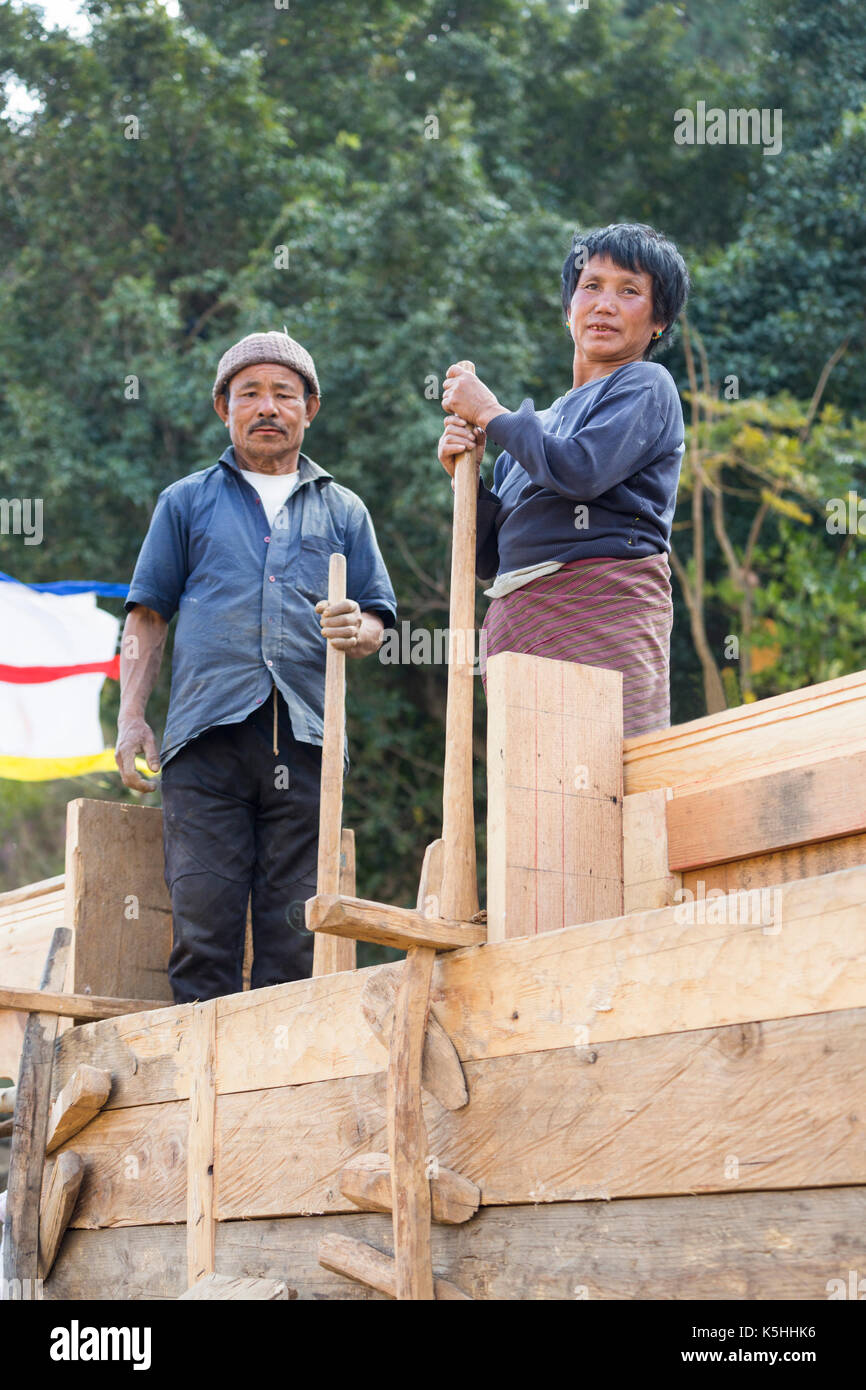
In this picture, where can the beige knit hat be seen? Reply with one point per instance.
(266, 347)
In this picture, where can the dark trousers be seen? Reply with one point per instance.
(239, 820)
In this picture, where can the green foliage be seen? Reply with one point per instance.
(424, 165)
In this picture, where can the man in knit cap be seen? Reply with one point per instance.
(240, 552)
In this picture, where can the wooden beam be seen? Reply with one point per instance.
(200, 1146)
(701, 964)
(27, 920)
(13, 896)
(78, 1102)
(117, 903)
(26, 1161)
(441, 1071)
(790, 730)
(356, 1260)
(776, 811)
(657, 1115)
(647, 879)
(366, 1181)
(58, 1205)
(407, 1135)
(83, 1006)
(234, 1289)
(731, 1246)
(780, 866)
(554, 794)
(400, 927)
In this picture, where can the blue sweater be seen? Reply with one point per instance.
(594, 475)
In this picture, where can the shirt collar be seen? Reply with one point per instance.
(308, 470)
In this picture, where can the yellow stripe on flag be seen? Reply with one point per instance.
(46, 769)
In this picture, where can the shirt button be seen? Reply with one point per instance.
(267, 538)
(271, 578)
(270, 663)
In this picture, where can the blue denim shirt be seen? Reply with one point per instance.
(245, 595)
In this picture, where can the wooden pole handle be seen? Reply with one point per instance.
(459, 893)
(331, 954)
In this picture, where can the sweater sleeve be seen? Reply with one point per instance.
(486, 540)
(618, 439)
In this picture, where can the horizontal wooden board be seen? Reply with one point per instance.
(777, 811)
(747, 1107)
(781, 866)
(789, 730)
(740, 1246)
(650, 972)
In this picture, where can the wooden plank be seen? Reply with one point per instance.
(790, 730)
(356, 1260)
(407, 1135)
(366, 1181)
(400, 927)
(29, 891)
(26, 927)
(32, 1102)
(117, 902)
(697, 965)
(232, 1288)
(554, 794)
(781, 866)
(82, 1006)
(58, 1204)
(661, 1115)
(750, 1246)
(78, 1102)
(201, 1181)
(647, 879)
(776, 811)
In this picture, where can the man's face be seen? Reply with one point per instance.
(612, 312)
(266, 413)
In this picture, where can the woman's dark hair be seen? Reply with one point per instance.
(633, 246)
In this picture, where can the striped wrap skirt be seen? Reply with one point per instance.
(602, 612)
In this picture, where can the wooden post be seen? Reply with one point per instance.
(32, 1104)
(200, 1218)
(458, 901)
(554, 795)
(331, 953)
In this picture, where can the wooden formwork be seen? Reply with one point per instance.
(661, 1038)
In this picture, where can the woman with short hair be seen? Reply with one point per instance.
(576, 527)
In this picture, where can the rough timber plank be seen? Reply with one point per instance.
(784, 731)
(732, 1245)
(232, 1289)
(781, 866)
(61, 1193)
(201, 1178)
(755, 1106)
(28, 918)
(32, 1105)
(777, 811)
(670, 970)
(647, 879)
(554, 794)
(411, 1203)
(356, 1259)
(384, 925)
(117, 903)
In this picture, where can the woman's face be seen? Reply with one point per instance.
(612, 313)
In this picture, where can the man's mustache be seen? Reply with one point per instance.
(267, 425)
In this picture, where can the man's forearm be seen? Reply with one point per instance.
(141, 650)
(370, 635)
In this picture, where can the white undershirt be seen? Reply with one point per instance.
(273, 488)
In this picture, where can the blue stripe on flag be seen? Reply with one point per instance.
(72, 586)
